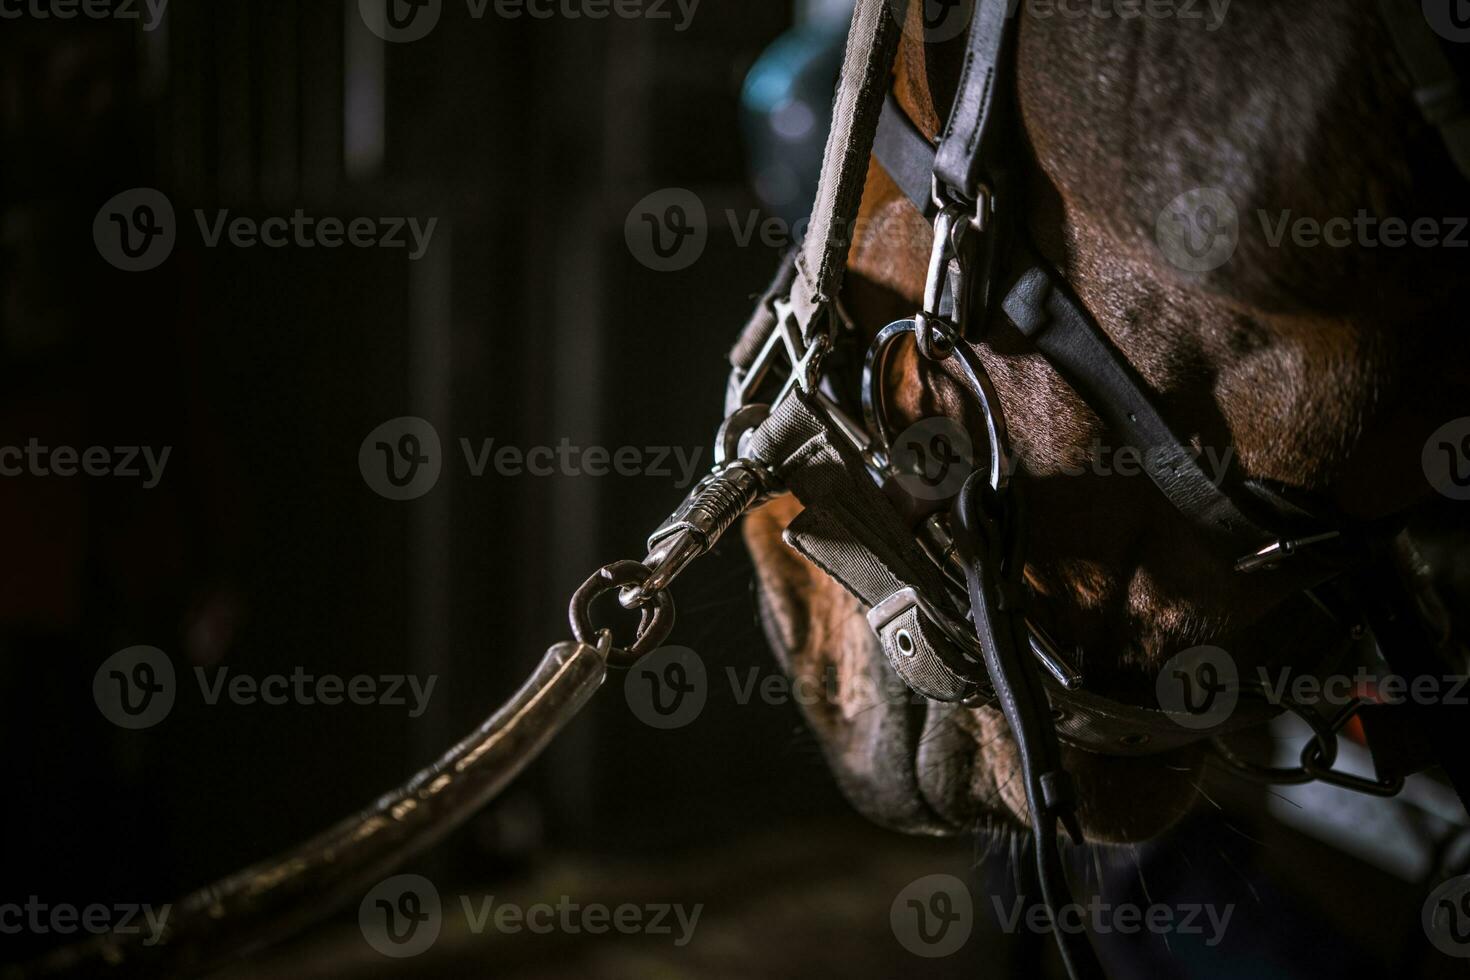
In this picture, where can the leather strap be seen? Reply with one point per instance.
(907, 155)
(971, 136)
(990, 542)
(1046, 311)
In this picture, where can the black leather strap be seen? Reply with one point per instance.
(989, 541)
(907, 155)
(1046, 311)
(971, 136)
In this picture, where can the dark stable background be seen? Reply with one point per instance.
(528, 321)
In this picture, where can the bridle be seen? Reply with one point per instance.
(943, 580)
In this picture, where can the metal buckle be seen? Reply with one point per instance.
(803, 358)
(1041, 645)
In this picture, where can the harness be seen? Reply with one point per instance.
(941, 574)
(944, 585)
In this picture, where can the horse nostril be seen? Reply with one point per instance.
(1134, 739)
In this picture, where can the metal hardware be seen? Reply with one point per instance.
(1318, 760)
(653, 626)
(1318, 755)
(976, 381)
(714, 504)
(963, 635)
(803, 360)
(1277, 551)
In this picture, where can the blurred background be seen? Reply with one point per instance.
(531, 151)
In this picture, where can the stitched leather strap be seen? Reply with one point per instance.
(970, 137)
(867, 67)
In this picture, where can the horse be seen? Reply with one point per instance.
(1325, 367)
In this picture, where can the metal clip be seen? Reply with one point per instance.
(714, 504)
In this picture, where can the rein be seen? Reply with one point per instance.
(943, 581)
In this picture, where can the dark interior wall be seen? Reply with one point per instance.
(263, 550)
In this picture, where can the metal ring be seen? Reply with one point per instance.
(654, 624)
(972, 374)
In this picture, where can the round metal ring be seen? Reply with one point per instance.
(739, 423)
(654, 624)
(972, 373)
